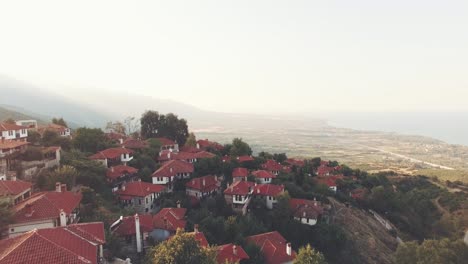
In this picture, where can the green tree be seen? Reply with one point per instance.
(90, 140)
(180, 249)
(116, 127)
(191, 140)
(240, 148)
(6, 214)
(170, 126)
(255, 254)
(34, 137)
(9, 121)
(432, 251)
(308, 255)
(59, 121)
(52, 138)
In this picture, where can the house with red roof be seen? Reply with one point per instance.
(115, 137)
(202, 187)
(330, 181)
(113, 156)
(135, 144)
(15, 191)
(274, 247)
(240, 174)
(325, 170)
(171, 171)
(268, 193)
(190, 157)
(9, 147)
(134, 230)
(168, 144)
(205, 144)
(139, 195)
(62, 131)
(272, 166)
(238, 195)
(13, 132)
(73, 244)
(230, 253)
(306, 211)
(120, 175)
(245, 158)
(263, 176)
(167, 221)
(45, 210)
(295, 162)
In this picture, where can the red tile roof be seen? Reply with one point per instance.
(70, 244)
(46, 205)
(170, 219)
(205, 144)
(272, 165)
(226, 158)
(239, 188)
(230, 253)
(273, 247)
(189, 149)
(330, 181)
(305, 208)
(204, 155)
(268, 189)
(132, 143)
(240, 172)
(203, 184)
(200, 237)
(171, 168)
(9, 127)
(118, 171)
(14, 188)
(115, 136)
(11, 144)
(111, 153)
(263, 174)
(245, 158)
(140, 189)
(127, 227)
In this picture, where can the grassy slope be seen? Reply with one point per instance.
(6, 114)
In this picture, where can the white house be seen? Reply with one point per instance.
(140, 195)
(13, 132)
(268, 192)
(171, 171)
(113, 156)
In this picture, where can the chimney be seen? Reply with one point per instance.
(137, 233)
(123, 187)
(288, 249)
(63, 187)
(304, 214)
(203, 182)
(112, 169)
(234, 250)
(195, 228)
(121, 140)
(171, 170)
(58, 187)
(29, 210)
(178, 204)
(13, 178)
(63, 218)
(315, 202)
(165, 223)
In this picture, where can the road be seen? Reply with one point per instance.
(438, 166)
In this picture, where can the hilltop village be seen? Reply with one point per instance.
(137, 191)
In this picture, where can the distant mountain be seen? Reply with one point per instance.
(39, 102)
(6, 113)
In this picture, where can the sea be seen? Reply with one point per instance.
(451, 127)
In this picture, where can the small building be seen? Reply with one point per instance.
(325, 170)
(135, 144)
(295, 162)
(30, 124)
(205, 144)
(330, 181)
(245, 158)
(238, 195)
(120, 175)
(202, 187)
(273, 167)
(240, 174)
(230, 253)
(269, 193)
(263, 176)
(13, 132)
(140, 195)
(306, 211)
(168, 144)
(190, 157)
(15, 191)
(62, 131)
(274, 247)
(167, 221)
(73, 244)
(115, 137)
(113, 156)
(171, 171)
(45, 210)
(134, 231)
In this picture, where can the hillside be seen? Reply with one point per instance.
(7, 114)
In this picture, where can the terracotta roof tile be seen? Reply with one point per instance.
(231, 253)
(204, 184)
(239, 188)
(263, 174)
(111, 153)
(171, 168)
(140, 189)
(118, 171)
(273, 246)
(240, 172)
(268, 189)
(170, 219)
(13, 188)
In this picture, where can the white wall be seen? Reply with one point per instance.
(25, 227)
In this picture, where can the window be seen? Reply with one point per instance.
(10, 133)
(12, 230)
(146, 199)
(139, 201)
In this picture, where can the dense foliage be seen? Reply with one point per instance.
(155, 125)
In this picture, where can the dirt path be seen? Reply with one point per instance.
(440, 207)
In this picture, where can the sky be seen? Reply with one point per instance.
(246, 56)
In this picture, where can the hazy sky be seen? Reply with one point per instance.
(246, 56)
